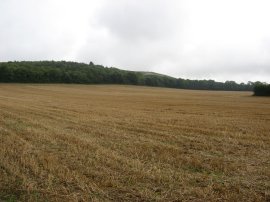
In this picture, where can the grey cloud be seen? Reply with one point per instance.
(181, 38)
(132, 20)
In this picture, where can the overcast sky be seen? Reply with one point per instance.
(195, 39)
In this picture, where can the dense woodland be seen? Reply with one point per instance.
(72, 72)
(262, 89)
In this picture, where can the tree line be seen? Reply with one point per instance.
(262, 89)
(81, 73)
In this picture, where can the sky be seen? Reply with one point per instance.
(194, 39)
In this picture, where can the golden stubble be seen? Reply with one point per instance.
(128, 143)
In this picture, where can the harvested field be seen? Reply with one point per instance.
(128, 143)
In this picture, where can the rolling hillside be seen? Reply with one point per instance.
(72, 72)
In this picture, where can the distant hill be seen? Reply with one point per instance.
(73, 72)
(154, 74)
